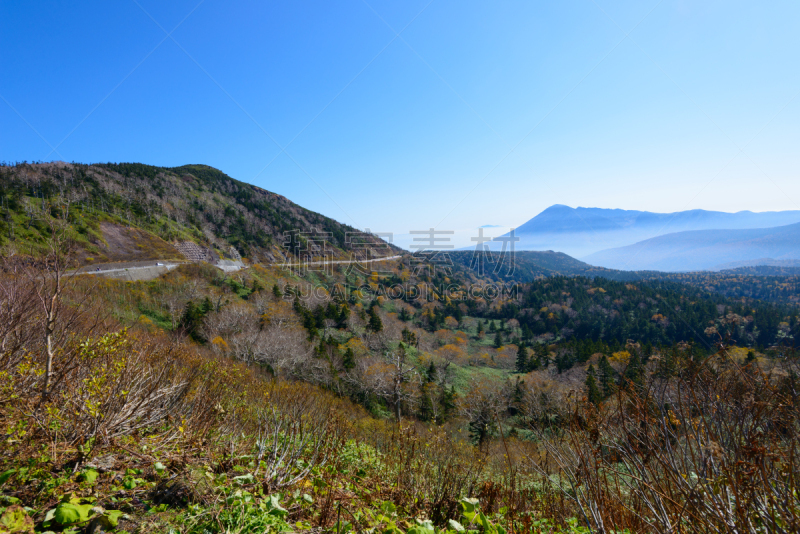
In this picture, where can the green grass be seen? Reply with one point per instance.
(463, 376)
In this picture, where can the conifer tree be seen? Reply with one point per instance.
(207, 306)
(634, 373)
(522, 359)
(517, 398)
(343, 316)
(349, 359)
(667, 364)
(192, 320)
(425, 404)
(542, 356)
(431, 372)
(375, 324)
(447, 401)
(593, 393)
(606, 377)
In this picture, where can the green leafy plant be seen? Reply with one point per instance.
(89, 476)
(15, 520)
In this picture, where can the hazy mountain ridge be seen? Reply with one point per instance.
(581, 232)
(704, 249)
(563, 219)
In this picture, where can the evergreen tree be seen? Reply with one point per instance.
(375, 324)
(349, 359)
(564, 362)
(498, 340)
(606, 377)
(522, 359)
(342, 316)
(542, 355)
(192, 321)
(425, 404)
(447, 402)
(409, 337)
(593, 393)
(430, 375)
(517, 398)
(668, 364)
(526, 332)
(634, 373)
(207, 306)
(481, 428)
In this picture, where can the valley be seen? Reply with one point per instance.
(399, 267)
(203, 364)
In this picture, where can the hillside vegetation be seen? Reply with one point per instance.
(767, 283)
(131, 211)
(408, 397)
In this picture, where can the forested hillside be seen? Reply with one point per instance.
(523, 266)
(417, 395)
(116, 207)
(747, 284)
(274, 400)
(766, 283)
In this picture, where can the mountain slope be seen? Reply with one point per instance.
(131, 211)
(526, 266)
(703, 249)
(583, 231)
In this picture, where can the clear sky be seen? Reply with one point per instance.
(476, 113)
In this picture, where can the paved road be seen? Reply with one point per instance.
(89, 270)
(148, 270)
(335, 262)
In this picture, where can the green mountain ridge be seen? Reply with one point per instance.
(133, 211)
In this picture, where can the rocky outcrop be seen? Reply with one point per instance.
(194, 252)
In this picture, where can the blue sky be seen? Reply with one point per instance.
(477, 113)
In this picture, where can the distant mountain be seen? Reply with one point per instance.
(703, 250)
(760, 262)
(777, 271)
(526, 266)
(583, 231)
